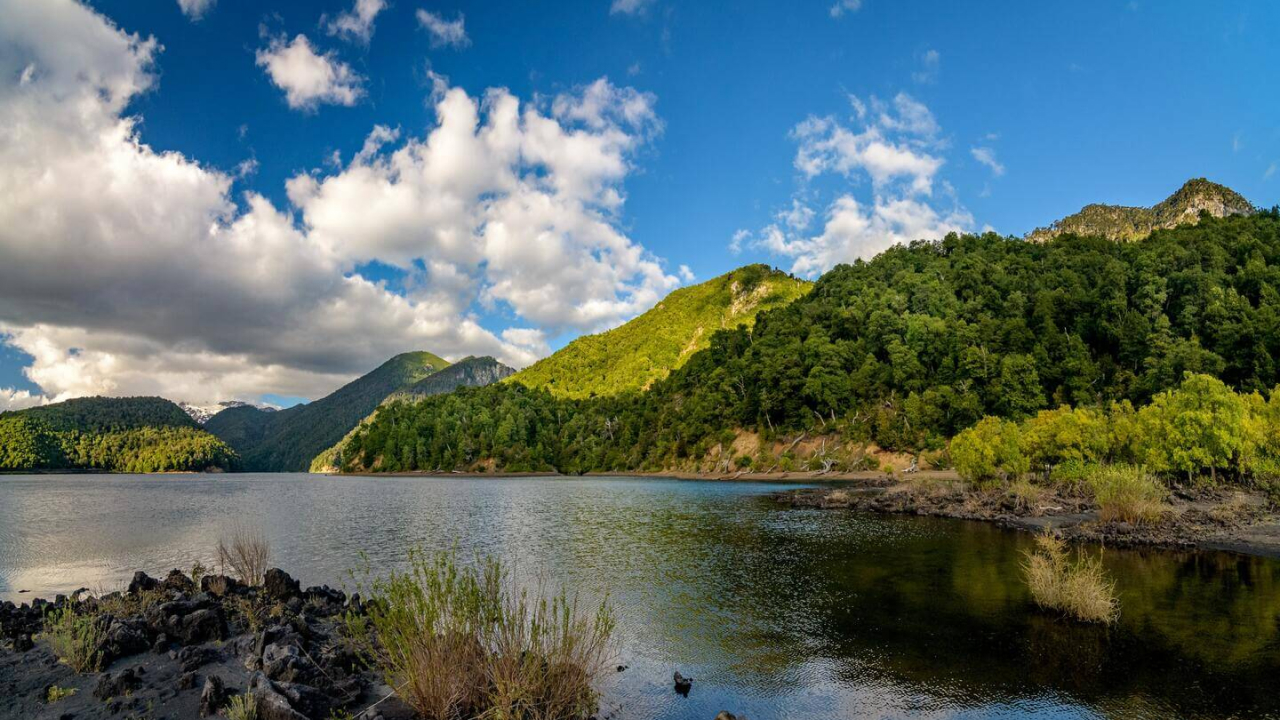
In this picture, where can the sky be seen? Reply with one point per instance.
(213, 199)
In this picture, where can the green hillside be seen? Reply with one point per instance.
(467, 372)
(287, 440)
(903, 351)
(138, 434)
(1123, 223)
(648, 348)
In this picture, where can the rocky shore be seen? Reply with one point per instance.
(1232, 520)
(175, 648)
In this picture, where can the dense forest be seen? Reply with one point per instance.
(113, 434)
(287, 440)
(649, 347)
(904, 351)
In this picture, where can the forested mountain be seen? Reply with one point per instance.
(903, 351)
(287, 440)
(1119, 222)
(137, 434)
(649, 347)
(467, 372)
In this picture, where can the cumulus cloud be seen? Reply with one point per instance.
(195, 9)
(629, 7)
(11, 399)
(444, 33)
(845, 6)
(356, 24)
(987, 156)
(894, 144)
(130, 271)
(307, 77)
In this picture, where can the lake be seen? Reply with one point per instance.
(777, 612)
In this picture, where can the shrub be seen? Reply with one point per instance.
(55, 693)
(989, 452)
(75, 638)
(462, 642)
(1063, 435)
(1127, 493)
(243, 707)
(1078, 588)
(246, 552)
(1197, 426)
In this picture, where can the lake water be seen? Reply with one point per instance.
(777, 612)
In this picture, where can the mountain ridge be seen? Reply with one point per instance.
(1127, 223)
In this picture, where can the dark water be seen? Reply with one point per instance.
(777, 613)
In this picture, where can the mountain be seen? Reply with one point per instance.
(1123, 223)
(286, 440)
(468, 372)
(136, 434)
(896, 354)
(646, 349)
(202, 413)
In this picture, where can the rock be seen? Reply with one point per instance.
(178, 581)
(161, 645)
(219, 585)
(190, 658)
(278, 585)
(186, 681)
(213, 696)
(142, 582)
(726, 715)
(622, 668)
(272, 704)
(305, 699)
(123, 638)
(23, 643)
(116, 685)
(683, 684)
(201, 626)
(287, 663)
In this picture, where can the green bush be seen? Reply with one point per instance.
(76, 639)
(989, 453)
(1127, 493)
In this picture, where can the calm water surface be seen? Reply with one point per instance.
(777, 613)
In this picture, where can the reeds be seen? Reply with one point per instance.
(1078, 588)
(1127, 493)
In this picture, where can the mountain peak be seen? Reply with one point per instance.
(1124, 223)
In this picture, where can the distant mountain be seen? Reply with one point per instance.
(646, 349)
(286, 440)
(1123, 223)
(468, 372)
(202, 413)
(136, 434)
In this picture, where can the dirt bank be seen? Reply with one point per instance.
(1208, 519)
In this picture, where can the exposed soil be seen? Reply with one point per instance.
(1233, 520)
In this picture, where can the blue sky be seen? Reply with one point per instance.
(1069, 103)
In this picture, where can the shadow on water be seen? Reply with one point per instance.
(777, 612)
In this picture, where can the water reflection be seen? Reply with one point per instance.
(777, 613)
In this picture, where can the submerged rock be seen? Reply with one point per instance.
(683, 684)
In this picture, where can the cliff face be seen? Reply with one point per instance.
(1124, 223)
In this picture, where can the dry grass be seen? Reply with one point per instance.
(1079, 588)
(1026, 495)
(246, 552)
(463, 642)
(243, 707)
(1127, 493)
(76, 638)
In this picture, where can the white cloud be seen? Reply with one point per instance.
(930, 65)
(130, 271)
(629, 7)
(309, 79)
(686, 275)
(356, 24)
(845, 6)
(11, 399)
(450, 33)
(987, 156)
(895, 145)
(740, 238)
(1271, 171)
(195, 9)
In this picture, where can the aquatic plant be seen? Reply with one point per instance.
(463, 641)
(1077, 587)
(1127, 493)
(76, 638)
(246, 552)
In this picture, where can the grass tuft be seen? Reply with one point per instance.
(75, 638)
(461, 641)
(1078, 588)
(246, 552)
(243, 707)
(1127, 493)
(56, 693)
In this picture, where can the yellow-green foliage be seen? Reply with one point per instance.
(989, 452)
(1078, 588)
(1127, 493)
(56, 693)
(459, 641)
(243, 707)
(648, 348)
(1063, 435)
(1199, 426)
(75, 638)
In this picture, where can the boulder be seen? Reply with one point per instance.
(116, 685)
(23, 643)
(219, 585)
(123, 638)
(278, 585)
(190, 658)
(178, 582)
(683, 684)
(287, 663)
(307, 700)
(142, 582)
(186, 681)
(213, 696)
(201, 626)
(726, 715)
(272, 704)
